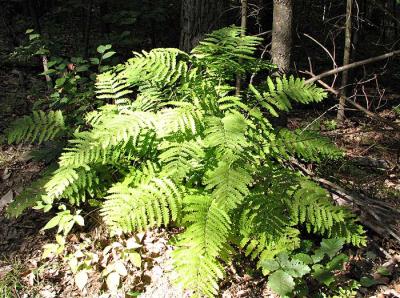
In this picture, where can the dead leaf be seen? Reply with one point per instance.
(113, 281)
(6, 199)
(120, 268)
(81, 279)
(6, 174)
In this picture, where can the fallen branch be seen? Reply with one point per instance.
(352, 65)
(366, 205)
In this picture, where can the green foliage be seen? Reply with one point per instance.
(154, 202)
(276, 96)
(176, 147)
(39, 127)
(287, 274)
(31, 195)
(308, 145)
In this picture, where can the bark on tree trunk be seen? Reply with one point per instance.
(199, 17)
(282, 34)
(243, 26)
(346, 60)
(281, 49)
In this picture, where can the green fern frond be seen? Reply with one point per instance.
(229, 184)
(148, 100)
(311, 205)
(99, 116)
(227, 134)
(177, 147)
(226, 52)
(39, 127)
(158, 68)
(123, 131)
(31, 194)
(278, 94)
(114, 89)
(74, 185)
(184, 119)
(179, 158)
(150, 204)
(310, 146)
(200, 245)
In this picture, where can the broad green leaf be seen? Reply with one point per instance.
(368, 282)
(305, 258)
(281, 283)
(337, 262)
(108, 55)
(95, 61)
(383, 271)
(52, 222)
(82, 68)
(296, 268)
(102, 48)
(60, 82)
(50, 71)
(269, 266)
(322, 274)
(33, 36)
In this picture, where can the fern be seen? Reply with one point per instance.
(307, 145)
(39, 127)
(201, 244)
(175, 146)
(277, 96)
(156, 202)
(31, 194)
(113, 88)
(226, 52)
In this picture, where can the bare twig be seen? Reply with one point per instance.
(352, 65)
(354, 104)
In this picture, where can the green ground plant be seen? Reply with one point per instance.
(173, 146)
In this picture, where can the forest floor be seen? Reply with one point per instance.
(370, 167)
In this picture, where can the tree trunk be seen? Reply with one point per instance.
(199, 17)
(281, 49)
(87, 28)
(346, 60)
(282, 34)
(243, 26)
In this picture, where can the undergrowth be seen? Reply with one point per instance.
(174, 146)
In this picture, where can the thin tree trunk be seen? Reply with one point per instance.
(243, 26)
(87, 28)
(34, 15)
(346, 60)
(282, 34)
(282, 39)
(46, 69)
(35, 18)
(199, 17)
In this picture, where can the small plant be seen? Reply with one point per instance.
(396, 109)
(287, 274)
(330, 124)
(10, 280)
